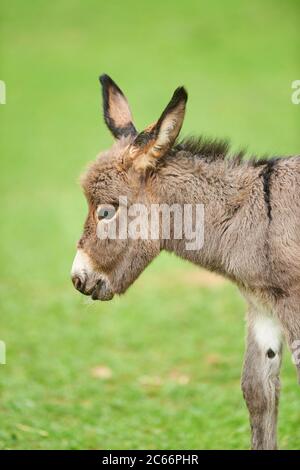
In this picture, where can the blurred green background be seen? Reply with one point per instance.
(159, 367)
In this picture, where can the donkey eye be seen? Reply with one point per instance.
(106, 212)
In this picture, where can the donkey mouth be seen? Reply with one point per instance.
(102, 291)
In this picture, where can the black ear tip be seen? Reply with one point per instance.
(180, 94)
(108, 83)
(105, 79)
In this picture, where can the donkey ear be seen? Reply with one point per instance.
(157, 139)
(117, 114)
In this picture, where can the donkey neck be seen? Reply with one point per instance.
(225, 189)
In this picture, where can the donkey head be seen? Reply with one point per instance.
(107, 259)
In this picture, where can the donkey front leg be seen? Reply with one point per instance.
(260, 379)
(288, 311)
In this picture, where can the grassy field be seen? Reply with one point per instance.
(159, 367)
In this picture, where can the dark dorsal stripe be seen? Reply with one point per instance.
(266, 176)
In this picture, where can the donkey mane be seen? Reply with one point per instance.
(203, 147)
(211, 150)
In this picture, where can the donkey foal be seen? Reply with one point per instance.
(251, 236)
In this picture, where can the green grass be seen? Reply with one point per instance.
(171, 347)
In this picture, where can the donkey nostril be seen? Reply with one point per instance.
(77, 282)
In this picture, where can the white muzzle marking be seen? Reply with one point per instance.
(81, 265)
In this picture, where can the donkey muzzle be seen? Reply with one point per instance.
(102, 291)
(87, 281)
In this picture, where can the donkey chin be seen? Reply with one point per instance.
(88, 281)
